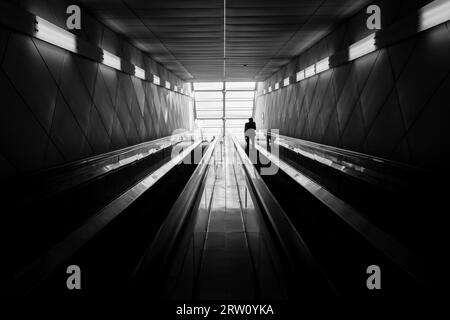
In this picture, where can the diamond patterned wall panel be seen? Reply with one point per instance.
(390, 103)
(37, 88)
(3, 41)
(435, 127)
(76, 93)
(66, 132)
(426, 68)
(60, 107)
(23, 143)
(97, 134)
(381, 141)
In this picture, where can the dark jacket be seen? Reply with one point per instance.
(248, 126)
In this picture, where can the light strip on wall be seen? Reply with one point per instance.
(286, 82)
(300, 75)
(167, 85)
(270, 89)
(111, 60)
(433, 14)
(362, 47)
(156, 80)
(55, 35)
(323, 65)
(310, 71)
(277, 86)
(139, 72)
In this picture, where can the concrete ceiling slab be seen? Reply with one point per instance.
(188, 36)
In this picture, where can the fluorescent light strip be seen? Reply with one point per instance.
(300, 75)
(111, 60)
(55, 35)
(286, 82)
(434, 14)
(139, 72)
(310, 71)
(156, 80)
(167, 84)
(323, 65)
(270, 89)
(264, 91)
(362, 47)
(277, 86)
(431, 15)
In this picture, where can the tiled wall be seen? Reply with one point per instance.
(393, 103)
(58, 107)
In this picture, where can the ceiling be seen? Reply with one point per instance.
(187, 36)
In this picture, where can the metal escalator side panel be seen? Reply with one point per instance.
(304, 267)
(155, 260)
(30, 277)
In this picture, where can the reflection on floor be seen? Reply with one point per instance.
(227, 253)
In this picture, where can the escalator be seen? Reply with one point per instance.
(216, 228)
(146, 176)
(344, 240)
(235, 242)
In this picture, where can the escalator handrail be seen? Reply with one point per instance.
(389, 246)
(362, 166)
(156, 258)
(31, 276)
(66, 176)
(294, 247)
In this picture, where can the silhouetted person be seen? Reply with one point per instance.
(250, 133)
(269, 139)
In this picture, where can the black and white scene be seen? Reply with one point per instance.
(224, 159)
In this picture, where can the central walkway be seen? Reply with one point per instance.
(230, 255)
(227, 270)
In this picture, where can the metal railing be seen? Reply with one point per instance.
(63, 177)
(303, 266)
(42, 268)
(371, 169)
(155, 260)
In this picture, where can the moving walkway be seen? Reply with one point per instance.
(207, 225)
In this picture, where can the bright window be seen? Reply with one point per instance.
(240, 86)
(208, 86)
(214, 112)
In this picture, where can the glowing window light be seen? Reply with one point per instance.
(286, 82)
(139, 72)
(239, 86)
(208, 86)
(270, 89)
(156, 80)
(323, 65)
(111, 60)
(264, 91)
(277, 86)
(433, 14)
(175, 88)
(310, 71)
(167, 84)
(300, 75)
(362, 47)
(55, 35)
